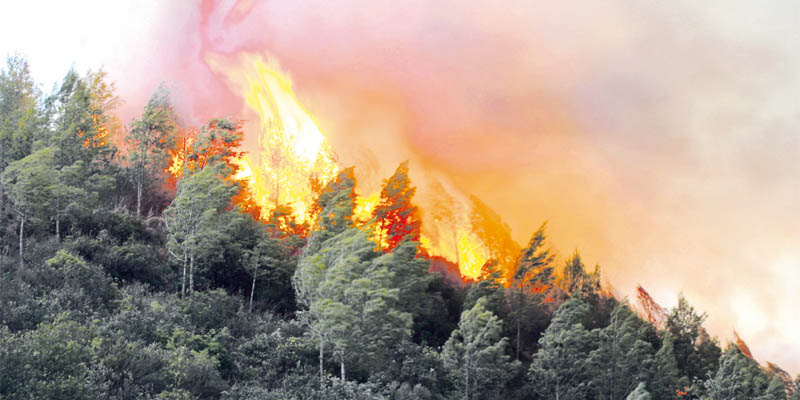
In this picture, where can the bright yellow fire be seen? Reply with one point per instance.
(293, 150)
(292, 147)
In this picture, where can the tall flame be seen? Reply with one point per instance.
(293, 159)
(293, 150)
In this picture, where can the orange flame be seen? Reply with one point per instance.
(294, 159)
(293, 149)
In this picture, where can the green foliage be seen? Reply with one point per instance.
(737, 378)
(560, 368)
(97, 308)
(149, 137)
(196, 217)
(336, 203)
(28, 182)
(622, 358)
(52, 362)
(347, 295)
(576, 279)
(476, 356)
(640, 393)
(20, 117)
(696, 354)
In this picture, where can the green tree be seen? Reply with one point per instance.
(28, 184)
(476, 355)
(775, 391)
(150, 137)
(737, 378)
(263, 258)
(411, 279)
(560, 368)
(696, 354)
(796, 389)
(80, 118)
(334, 207)
(20, 116)
(576, 279)
(664, 374)
(347, 297)
(640, 393)
(194, 216)
(622, 358)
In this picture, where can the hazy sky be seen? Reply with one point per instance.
(659, 138)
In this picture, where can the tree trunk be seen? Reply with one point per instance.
(518, 329)
(183, 277)
(191, 275)
(58, 230)
(341, 367)
(321, 358)
(139, 198)
(252, 289)
(466, 381)
(519, 317)
(2, 188)
(380, 237)
(21, 241)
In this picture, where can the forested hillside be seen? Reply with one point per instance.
(131, 268)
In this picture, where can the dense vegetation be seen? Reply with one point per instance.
(118, 282)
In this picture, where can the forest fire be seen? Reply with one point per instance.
(293, 161)
(293, 152)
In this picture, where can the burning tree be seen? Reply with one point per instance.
(493, 235)
(533, 273)
(204, 192)
(653, 312)
(396, 218)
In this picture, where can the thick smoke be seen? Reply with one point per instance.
(658, 139)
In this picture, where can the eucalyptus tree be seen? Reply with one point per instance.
(195, 216)
(149, 137)
(476, 354)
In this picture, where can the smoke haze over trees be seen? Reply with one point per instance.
(120, 279)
